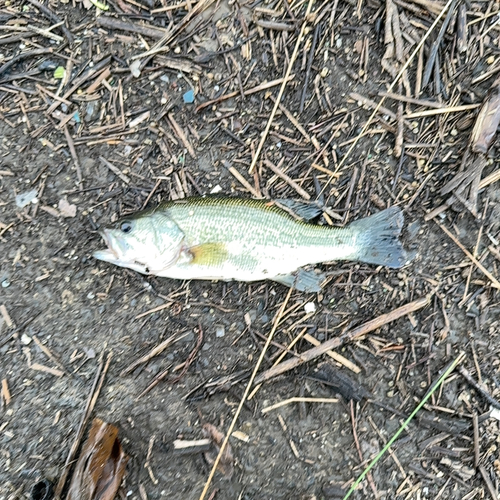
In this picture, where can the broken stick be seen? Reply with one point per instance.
(348, 336)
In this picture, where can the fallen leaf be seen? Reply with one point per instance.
(66, 209)
(226, 460)
(101, 466)
(135, 68)
(487, 120)
(59, 72)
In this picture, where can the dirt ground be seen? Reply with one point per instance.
(109, 110)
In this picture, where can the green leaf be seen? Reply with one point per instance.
(100, 5)
(59, 72)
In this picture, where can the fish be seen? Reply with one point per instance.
(223, 238)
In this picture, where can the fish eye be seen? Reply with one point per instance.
(126, 226)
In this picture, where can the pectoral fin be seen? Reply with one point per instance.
(301, 280)
(208, 254)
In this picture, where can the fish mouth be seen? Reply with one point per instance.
(109, 254)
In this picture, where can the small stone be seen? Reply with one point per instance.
(5, 283)
(495, 413)
(310, 307)
(25, 339)
(220, 331)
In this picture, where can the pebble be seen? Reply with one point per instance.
(310, 307)
(26, 339)
(220, 331)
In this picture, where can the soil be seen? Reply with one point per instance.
(81, 309)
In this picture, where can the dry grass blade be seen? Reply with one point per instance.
(253, 90)
(244, 182)
(245, 394)
(277, 170)
(298, 400)
(154, 352)
(334, 355)
(441, 111)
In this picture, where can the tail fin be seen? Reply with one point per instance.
(378, 238)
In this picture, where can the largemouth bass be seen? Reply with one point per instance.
(245, 240)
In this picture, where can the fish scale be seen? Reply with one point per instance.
(266, 235)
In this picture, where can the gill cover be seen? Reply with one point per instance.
(147, 243)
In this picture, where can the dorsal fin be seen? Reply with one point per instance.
(306, 211)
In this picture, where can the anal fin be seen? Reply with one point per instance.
(301, 280)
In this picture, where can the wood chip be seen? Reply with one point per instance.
(46, 369)
(181, 135)
(334, 355)
(115, 170)
(287, 179)
(184, 446)
(5, 391)
(5, 316)
(244, 182)
(66, 209)
(241, 436)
